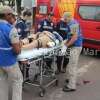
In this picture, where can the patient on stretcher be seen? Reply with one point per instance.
(43, 39)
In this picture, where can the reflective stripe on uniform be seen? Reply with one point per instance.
(64, 29)
(47, 27)
(5, 48)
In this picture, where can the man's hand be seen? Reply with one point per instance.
(50, 44)
(14, 37)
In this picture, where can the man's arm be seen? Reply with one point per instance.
(40, 26)
(16, 48)
(16, 44)
(74, 32)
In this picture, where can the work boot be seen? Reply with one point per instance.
(67, 81)
(63, 70)
(67, 89)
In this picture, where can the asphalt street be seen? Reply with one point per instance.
(89, 70)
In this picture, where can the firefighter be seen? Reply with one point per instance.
(22, 25)
(9, 49)
(62, 28)
(46, 24)
(74, 42)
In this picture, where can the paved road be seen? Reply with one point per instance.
(88, 65)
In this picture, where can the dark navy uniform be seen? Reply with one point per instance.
(21, 25)
(63, 29)
(46, 25)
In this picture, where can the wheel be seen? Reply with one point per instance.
(57, 83)
(23, 85)
(35, 77)
(42, 92)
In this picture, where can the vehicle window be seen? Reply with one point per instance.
(90, 12)
(97, 17)
(43, 9)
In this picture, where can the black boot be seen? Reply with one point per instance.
(65, 63)
(67, 89)
(59, 61)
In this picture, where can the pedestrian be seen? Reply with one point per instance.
(74, 43)
(47, 25)
(9, 49)
(62, 28)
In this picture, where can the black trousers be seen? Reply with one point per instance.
(62, 64)
(49, 62)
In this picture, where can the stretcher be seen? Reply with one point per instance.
(33, 56)
(43, 39)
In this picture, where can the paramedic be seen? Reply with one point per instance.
(21, 25)
(62, 28)
(47, 24)
(9, 49)
(74, 42)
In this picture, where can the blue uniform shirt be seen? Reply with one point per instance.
(7, 55)
(74, 25)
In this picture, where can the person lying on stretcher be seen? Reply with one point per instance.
(43, 39)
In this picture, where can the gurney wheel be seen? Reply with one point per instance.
(42, 92)
(57, 82)
(36, 77)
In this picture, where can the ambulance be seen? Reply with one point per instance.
(87, 12)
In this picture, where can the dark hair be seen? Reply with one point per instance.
(27, 13)
(2, 16)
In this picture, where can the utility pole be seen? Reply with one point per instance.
(34, 6)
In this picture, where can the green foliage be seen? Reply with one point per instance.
(12, 3)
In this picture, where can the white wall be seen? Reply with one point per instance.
(26, 3)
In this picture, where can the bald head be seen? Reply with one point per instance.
(5, 10)
(67, 16)
(6, 13)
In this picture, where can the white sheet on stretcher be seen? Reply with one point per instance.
(28, 54)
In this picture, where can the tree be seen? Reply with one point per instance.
(12, 3)
(18, 6)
